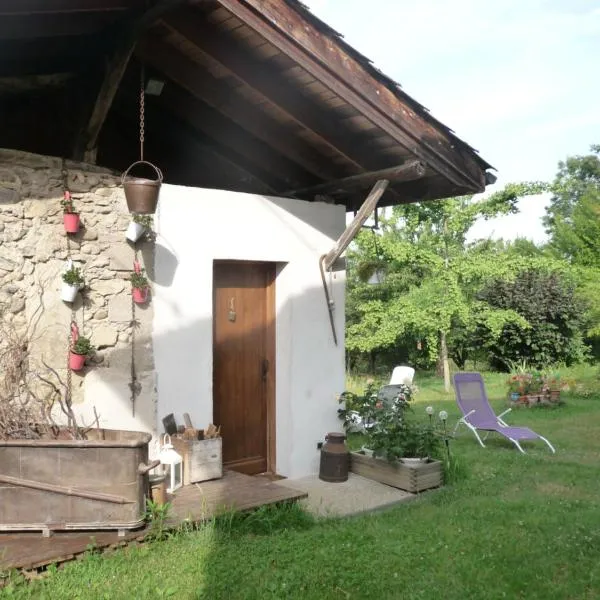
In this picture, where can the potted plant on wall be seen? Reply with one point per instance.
(72, 282)
(139, 225)
(70, 217)
(139, 284)
(80, 350)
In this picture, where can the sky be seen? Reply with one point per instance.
(519, 80)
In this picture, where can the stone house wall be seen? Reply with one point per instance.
(33, 251)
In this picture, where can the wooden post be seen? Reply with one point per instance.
(352, 230)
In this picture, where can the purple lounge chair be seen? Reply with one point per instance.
(479, 415)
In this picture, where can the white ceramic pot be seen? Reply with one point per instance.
(134, 231)
(69, 292)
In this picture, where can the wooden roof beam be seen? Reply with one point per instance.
(44, 7)
(88, 140)
(176, 132)
(274, 88)
(196, 80)
(281, 25)
(408, 171)
(226, 133)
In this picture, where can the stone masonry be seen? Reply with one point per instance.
(33, 251)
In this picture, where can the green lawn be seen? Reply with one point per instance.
(515, 527)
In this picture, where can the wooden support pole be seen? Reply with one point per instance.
(408, 171)
(87, 142)
(352, 230)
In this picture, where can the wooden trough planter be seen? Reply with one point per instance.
(98, 483)
(411, 478)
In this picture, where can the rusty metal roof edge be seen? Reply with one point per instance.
(384, 79)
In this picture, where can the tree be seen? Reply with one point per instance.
(573, 223)
(432, 277)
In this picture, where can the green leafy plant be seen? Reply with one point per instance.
(157, 515)
(358, 408)
(67, 204)
(73, 276)
(82, 346)
(391, 431)
(139, 280)
(396, 435)
(146, 221)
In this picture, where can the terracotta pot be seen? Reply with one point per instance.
(76, 361)
(140, 295)
(71, 222)
(69, 292)
(134, 231)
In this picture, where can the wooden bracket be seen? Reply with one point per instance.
(327, 260)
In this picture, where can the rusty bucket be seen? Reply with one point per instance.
(142, 194)
(335, 459)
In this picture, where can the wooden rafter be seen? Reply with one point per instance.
(173, 132)
(115, 71)
(408, 171)
(35, 7)
(327, 62)
(227, 134)
(196, 80)
(273, 87)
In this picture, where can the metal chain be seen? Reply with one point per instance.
(134, 386)
(69, 390)
(142, 111)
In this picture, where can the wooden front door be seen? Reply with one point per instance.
(243, 364)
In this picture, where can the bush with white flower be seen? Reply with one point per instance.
(389, 423)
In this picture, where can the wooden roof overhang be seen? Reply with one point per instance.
(259, 96)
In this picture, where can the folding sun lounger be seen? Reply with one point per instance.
(478, 415)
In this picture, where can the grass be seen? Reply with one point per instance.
(515, 527)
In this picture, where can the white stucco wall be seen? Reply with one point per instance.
(195, 227)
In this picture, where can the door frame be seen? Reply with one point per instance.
(270, 349)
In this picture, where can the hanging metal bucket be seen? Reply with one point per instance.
(142, 194)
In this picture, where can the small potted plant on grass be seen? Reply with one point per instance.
(70, 217)
(139, 284)
(80, 350)
(72, 283)
(139, 225)
(519, 386)
(552, 386)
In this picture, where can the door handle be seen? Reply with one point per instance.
(264, 369)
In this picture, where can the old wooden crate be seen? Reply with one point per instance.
(411, 478)
(98, 483)
(202, 459)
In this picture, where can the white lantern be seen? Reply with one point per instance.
(172, 464)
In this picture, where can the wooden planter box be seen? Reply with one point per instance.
(202, 459)
(411, 478)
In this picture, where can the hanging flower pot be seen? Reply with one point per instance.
(139, 225)
(80, 350)
(140, 295)
(139, 284)
(70, 217)
(69, 292)
(71, 222)
(142, 194)
(72, 283)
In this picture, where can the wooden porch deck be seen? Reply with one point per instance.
(193, 503)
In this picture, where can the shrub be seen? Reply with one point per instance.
(547, 301)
